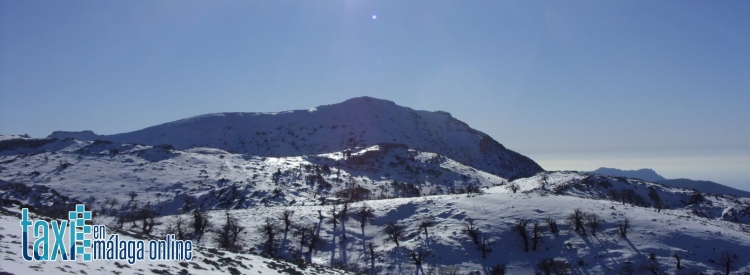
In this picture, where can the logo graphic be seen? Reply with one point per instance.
(74, 238)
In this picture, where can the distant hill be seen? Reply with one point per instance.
(651, 175)
(644, 174)
(705, 186)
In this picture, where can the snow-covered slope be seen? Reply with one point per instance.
(355, 123)
(639, 193)
(650, 245)
(205, 260)
(98, 171)
(698, 241)
(57, 173)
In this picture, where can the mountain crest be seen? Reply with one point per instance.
(355, 123)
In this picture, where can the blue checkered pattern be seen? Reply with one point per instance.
(78, 225)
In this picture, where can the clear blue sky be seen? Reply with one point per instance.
(572, 84)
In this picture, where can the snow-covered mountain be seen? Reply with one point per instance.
(355, 123)
(458, 198)
(651, 176)
(705, 186)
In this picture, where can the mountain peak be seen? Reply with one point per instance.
(355, 123)
(367, 100)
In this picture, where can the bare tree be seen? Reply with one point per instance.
(484, 247)
(344, 217)
(315, 242)
(552, 225)
(178, 227)
(514, 187)
(305, 233)
(372, 255)
(147, 216)
(227, 236)
(364, 214)
(520, 227)
(593, 221)
(624, 226)
(727, 260)
(200, 222)
(132, 195)
(536, 234)
(677, 257)
(269, 229)
(132, 215)
(393, 232)
(286, 215)
(576, 220)
(334, 216)
(425, 223)
(122, 217)
(344, 213)
(418, 256)
(108, 205)
(472, 231)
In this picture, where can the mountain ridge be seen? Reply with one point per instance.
(705, 186)
(355, 123)
(650, 175)
(646, 174)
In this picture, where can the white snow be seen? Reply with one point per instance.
(409, 166)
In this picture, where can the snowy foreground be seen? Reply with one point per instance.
(699, 242)
(206, 260)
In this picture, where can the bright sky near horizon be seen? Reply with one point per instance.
(572, 84)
